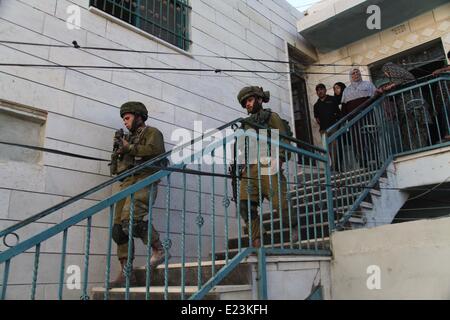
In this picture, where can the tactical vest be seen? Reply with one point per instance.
(127, 161)
(263, 117)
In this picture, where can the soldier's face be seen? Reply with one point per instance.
(128, 119)
(250, 104)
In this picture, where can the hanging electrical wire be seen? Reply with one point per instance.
(336, 186)
(159, 69)
(75, 45)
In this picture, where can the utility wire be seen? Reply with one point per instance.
(161, 69)
(99, 56)
(77, 46)
(233, 175)
(111, 83)
(431, 190)
(116, 63)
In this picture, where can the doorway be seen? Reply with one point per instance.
(421, 61)
(302, 117)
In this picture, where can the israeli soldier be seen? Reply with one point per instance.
(140, 145)
(252, 98)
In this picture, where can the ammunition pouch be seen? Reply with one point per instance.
(118, 235)
(232, 172)
(113, 164)
(124, 163)
(244, 210)
(140, 228)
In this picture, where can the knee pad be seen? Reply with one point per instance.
(244, 210)
(118, 235)
(140, 227)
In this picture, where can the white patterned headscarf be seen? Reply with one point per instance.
(358, 89)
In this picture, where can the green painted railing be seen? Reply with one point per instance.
(410, 119)
(46, 255)
(165, 19)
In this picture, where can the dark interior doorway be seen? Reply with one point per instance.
(421, 61)
(302, 115)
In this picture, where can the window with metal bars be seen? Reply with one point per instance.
(165, 19)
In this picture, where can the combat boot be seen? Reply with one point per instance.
(256, 243)
(256, 233)
(120, 281)
(158, 254)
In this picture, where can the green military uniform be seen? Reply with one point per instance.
(271, 185)
(145, 144)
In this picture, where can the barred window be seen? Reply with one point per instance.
(165, 19)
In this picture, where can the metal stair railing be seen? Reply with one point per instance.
(412, 119)
(34, 253)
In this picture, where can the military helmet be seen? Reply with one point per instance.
(250, 91)
(137, 108)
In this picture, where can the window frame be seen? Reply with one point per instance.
(181, 39)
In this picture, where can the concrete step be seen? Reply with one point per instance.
(309, 208)
(342, 181)
(322, 192)
(239, 276)
(376, 193)
(320, 230)
(366, 205)
(304, 220)
(318, 244)
(335, 176)
(235, 292)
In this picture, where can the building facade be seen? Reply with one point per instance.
(413, 33)
(70, 104)
(77, 109)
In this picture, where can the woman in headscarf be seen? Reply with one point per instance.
(358, 92)
(413, 111)
(354, 96)
(338, 89)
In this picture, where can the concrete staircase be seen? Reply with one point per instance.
(237, 285)
(313, 215)
(314, 234)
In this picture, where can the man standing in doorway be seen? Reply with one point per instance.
(327, 113)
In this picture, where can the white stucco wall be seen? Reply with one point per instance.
(425, 168)
(412, 257)
(82, 106)
(293, 277)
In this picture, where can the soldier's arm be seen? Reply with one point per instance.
(153, 146)
(275, 122)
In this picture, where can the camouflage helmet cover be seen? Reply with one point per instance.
(250, 91)
(135, 108)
